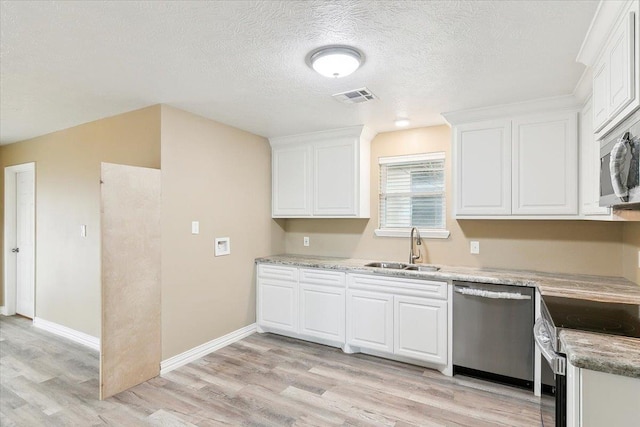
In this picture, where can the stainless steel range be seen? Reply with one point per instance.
(558, 313)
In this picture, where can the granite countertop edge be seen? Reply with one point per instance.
(597, 352)
(600, 352)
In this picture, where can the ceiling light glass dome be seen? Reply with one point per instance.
(336, 61)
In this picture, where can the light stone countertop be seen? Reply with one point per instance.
(598, 352)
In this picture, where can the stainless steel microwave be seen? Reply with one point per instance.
(622, 187)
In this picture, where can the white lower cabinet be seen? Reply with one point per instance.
(398, 318)
(427, 342)
(322, 306)
(370, 320)
(597, 399)
(277, 302)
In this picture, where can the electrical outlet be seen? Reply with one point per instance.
(305, 241)
(474, 247)
(195, 227)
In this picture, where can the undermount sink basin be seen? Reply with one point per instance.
(402, 266)
(422, 268)
(392, 265)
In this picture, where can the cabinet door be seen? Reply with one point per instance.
(322, 312)
(545, 165)
(619, 53)
(600, 97)
(334, 182)
(291, 184)
(420, 328)
(370, 320)
(277, 305)
(589, 166)
(483, 168)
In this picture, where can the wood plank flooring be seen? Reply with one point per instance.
(263, 380)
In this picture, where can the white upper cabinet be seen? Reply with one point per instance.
(600, 100)
(322, 174)
(545, 165)
(611, 48)
(620, 58)
(292, 180)
(483, 168)
(589, 166)
(335, 177)
(525, 166)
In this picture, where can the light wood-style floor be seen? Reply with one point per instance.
(265, 380)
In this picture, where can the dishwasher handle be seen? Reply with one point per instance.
(557, 362)
(483, 293)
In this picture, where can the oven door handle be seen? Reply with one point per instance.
(557, 362)
(483, 293)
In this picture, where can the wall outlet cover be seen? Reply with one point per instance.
(305, 241)
(222, 246)
(195, 227)
(474, 247)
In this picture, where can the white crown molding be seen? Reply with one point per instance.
(584, 87)
(77, 336)
(556, 103)
(360, 131)
(202, 350)
(601, 26)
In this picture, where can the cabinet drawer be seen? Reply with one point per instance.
(322, 277)
(399, 286)
(267, 271)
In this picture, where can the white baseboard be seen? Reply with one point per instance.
(202, 350)
(3, 310)
(72, 334)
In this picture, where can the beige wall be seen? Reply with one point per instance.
(220, 176)
(589, 247)
(68, 195)
(630, 249)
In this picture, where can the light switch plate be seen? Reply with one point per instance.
(474, 247)
(83, 231)
(222, 246)
(195, 227)
(305, 240)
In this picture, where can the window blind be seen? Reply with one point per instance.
(412, 192)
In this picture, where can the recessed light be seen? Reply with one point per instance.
(401, 123)
(335, 61)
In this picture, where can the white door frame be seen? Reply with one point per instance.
(9, 260)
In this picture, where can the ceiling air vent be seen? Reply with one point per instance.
(355, 96)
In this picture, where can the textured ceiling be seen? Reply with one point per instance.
(243, 62)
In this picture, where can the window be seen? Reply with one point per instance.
(412, 194)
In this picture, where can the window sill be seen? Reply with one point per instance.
(406, 232)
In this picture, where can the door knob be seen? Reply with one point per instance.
(15, 250)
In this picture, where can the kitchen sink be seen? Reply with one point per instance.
(402, 266)
(391, 265)
(422, 268)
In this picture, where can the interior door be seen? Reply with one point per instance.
(130, 334)
(25, 233)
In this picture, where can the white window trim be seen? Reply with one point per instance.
(425, 233)
(406, 232)
(411, 158)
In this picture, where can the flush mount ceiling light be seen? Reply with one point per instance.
(335, 61)
(401, 123)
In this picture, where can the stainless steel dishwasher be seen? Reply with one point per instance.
(493, 332)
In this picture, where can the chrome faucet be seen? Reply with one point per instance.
(418, 242)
